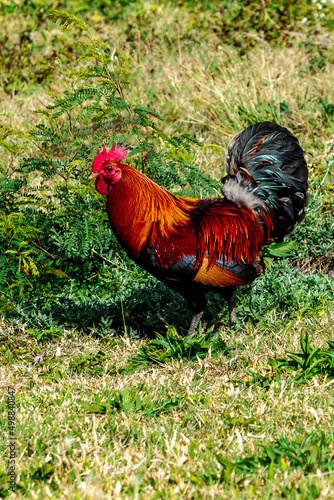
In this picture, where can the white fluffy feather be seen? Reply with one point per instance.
(241, 196)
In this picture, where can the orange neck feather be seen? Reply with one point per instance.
(139, 210)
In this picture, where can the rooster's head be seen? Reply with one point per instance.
(106, 168)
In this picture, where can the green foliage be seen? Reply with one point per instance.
(46, 335)
(308, 453)
(6, 133)
(91, 364)
(174, 346)
(282, 250)
(137, 400)
(315, 235)
(289, 291)
(309, 362)
(19, 263)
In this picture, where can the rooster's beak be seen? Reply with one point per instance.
(92, 176)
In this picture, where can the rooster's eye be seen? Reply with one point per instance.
(109, 169)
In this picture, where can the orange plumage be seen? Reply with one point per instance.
(195, 245)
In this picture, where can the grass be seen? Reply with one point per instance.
(107, 412)
(180, 429)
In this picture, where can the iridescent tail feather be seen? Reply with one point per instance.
(266, 169)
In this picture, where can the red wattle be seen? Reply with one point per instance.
(103, 185)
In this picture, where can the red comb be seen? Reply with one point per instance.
(117, 153)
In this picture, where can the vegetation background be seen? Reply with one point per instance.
(112, 402)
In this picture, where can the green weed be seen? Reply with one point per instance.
(175, 346)
(309, 362)
(308, 453)
(138, 401)
(91, 364)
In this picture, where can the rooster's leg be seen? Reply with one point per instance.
(230, 296)
(232, 308)
(197, 303)
(194, 322)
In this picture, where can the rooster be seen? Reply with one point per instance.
(199, 245)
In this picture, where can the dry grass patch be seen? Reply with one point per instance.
(217, 95)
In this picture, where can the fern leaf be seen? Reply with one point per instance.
(66, 20)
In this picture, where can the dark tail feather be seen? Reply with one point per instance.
(272, 156)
